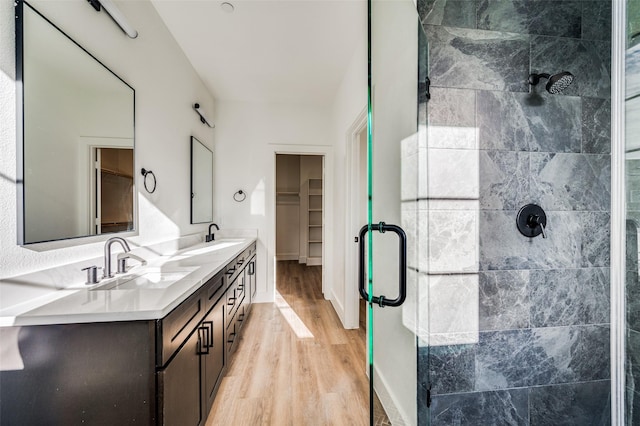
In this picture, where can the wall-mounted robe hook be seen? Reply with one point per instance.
(532, 221)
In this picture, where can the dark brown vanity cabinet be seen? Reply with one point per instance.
(179, 386)
(213, 356)
(151, 372)
(197, 340)
(188, 378)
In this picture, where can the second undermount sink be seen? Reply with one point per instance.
(148, 281)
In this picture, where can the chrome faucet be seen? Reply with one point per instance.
(107, 254)
(210, 236)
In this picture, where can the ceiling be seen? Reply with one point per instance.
(279, 51)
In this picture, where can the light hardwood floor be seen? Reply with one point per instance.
(296, 364)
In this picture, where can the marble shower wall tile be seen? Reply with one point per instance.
(632, 276)
(632, 296)
(571, 181)
(596, 20)
(451, 368)
(632, 364)
(452, 119)
(504, 300)
(527, 122)
(452, 306)
(569, 297)
(504, 183)
(452, 242)
(531, 357)
(588, 60)
(567, 245)
(475, 59)
(504, 408)
(411, 306)
(453, 173)
(632, 401)
(575, 404)
(409, 222)
(596, 125)
(555, 18)
(451, 13)
(447, 236)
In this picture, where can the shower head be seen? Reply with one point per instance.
(557, 82)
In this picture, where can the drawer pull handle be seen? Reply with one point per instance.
(209, 325)
(203, 340)
(232, 301)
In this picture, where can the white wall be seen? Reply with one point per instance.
(166, 85)
(350, 101)
(248, 136)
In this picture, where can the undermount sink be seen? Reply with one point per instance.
(211, 247)
(149, 281)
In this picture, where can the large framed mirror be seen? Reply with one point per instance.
(201, 182)
(75, 137)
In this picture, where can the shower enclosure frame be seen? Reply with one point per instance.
(617, 255)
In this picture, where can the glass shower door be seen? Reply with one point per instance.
(398, 91)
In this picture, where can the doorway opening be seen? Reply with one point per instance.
(300, 212)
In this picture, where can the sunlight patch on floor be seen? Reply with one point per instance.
(292, 318)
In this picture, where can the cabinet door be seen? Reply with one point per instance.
(180, 386)
(215, 353)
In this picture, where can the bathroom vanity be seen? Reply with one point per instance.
(148, 348)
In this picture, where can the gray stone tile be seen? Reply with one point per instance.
(571, 181)
(556, 18)
(576, 404)
(632, 402)
(571, 354)
(504, 179)
(452, 107)
(474, 59)
(596, 125)
(588, 60)
(504, 360)
(528, 122)
(633, 359)
(569, 297)
(574, 240)
(541, 356)
(451, 13)
(504, 300)
(632, 295)
(596, 20)
(499, 408)
(452, 368)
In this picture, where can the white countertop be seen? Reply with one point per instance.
(167, 281)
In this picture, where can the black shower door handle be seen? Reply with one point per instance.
(402, 246)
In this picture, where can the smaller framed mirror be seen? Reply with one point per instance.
(201, 182)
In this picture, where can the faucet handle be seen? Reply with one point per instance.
(122, 261)
(92, 274)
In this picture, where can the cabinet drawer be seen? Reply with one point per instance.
(214, 290)
(231, 336)
(232, 301)
(174, 329)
